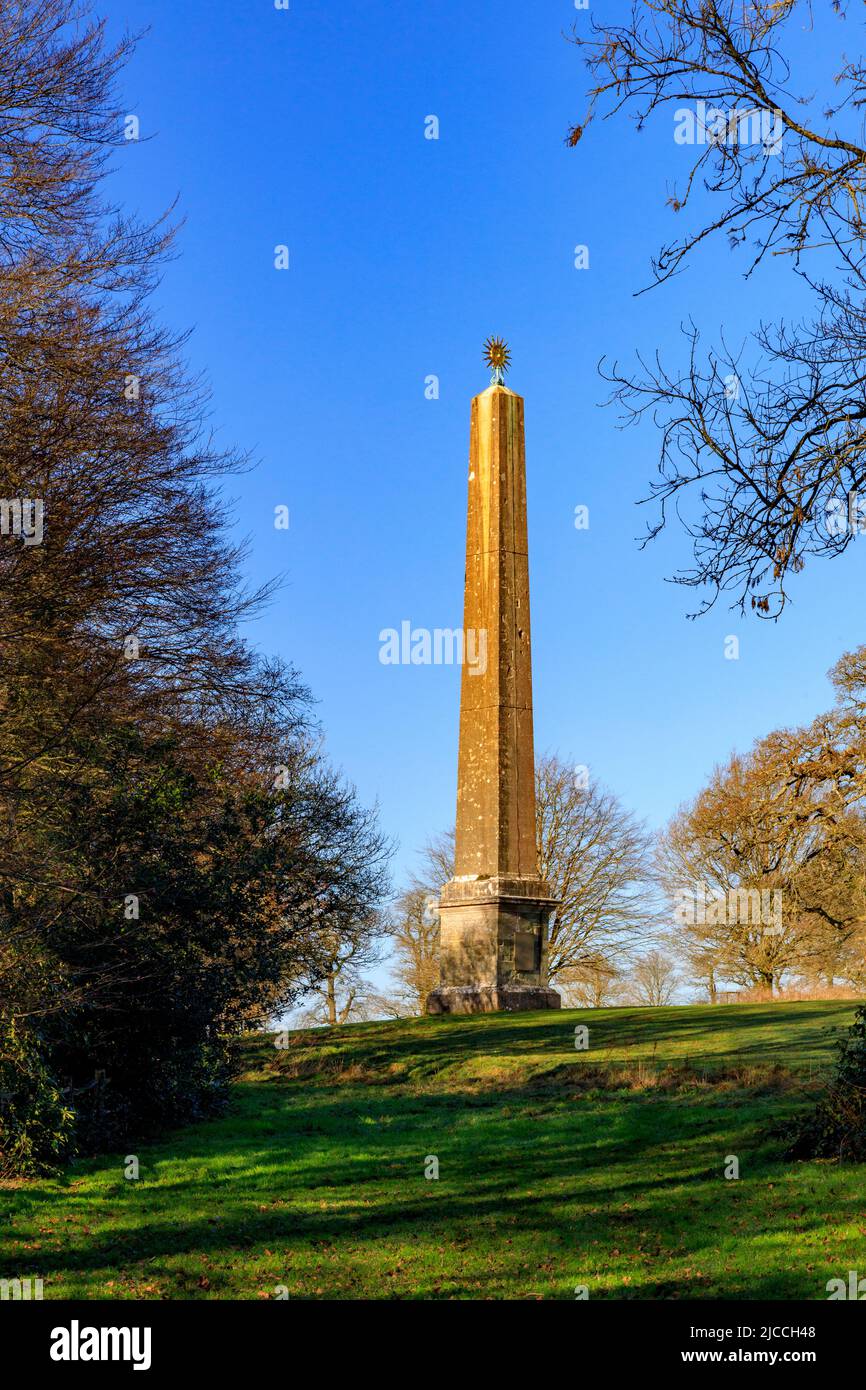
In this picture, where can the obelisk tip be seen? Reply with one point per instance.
(497, 356)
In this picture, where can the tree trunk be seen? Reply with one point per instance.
(332, 1002)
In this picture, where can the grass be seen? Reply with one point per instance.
(557, 1168)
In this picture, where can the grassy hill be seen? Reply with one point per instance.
(557, 1168)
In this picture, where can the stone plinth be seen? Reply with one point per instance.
(493, 939)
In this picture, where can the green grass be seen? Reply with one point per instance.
(557, 1168)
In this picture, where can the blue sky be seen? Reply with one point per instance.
(306, 128)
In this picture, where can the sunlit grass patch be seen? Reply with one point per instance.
(557, 1168)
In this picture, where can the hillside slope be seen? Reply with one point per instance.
(557, 1168)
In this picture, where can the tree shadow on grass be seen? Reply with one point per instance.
(798, 1034)
(583, 1177)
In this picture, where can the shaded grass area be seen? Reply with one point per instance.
(557, 1168)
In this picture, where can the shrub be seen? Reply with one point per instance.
(837, 1127)
(148, 1089)
(36, 1124)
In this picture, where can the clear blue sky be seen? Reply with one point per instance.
(306, 127)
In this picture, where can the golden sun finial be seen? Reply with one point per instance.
(498, 358)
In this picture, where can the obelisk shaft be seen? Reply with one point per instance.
(495, 778)
(494, 913)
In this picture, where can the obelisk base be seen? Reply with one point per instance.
(493, 934)
(469, 1000)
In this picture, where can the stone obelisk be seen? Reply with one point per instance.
(495, 911)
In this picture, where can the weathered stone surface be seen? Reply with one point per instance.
(495, 773)
(494, 912)
(470, 999)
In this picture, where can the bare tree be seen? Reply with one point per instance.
(343, 994)
(595, 984)
(597, 858)
(437, 863)
(653, 980)
(702, 962)
(415, 940)
(763, 449)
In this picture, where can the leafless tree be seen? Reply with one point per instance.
(596, 984)
(763, 448)
(596, 856)
(653, 980)
(415, 942)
